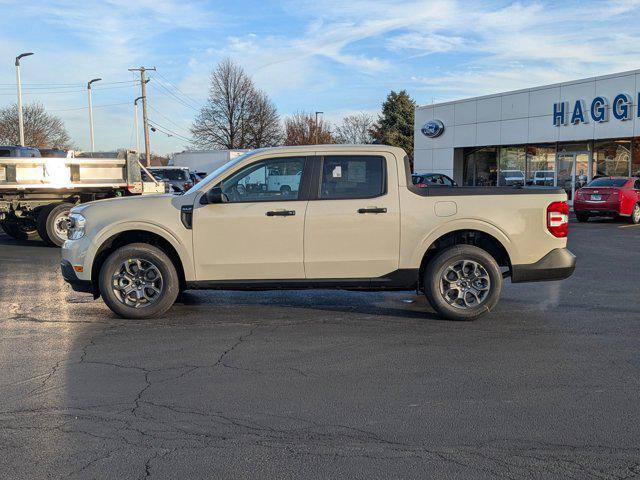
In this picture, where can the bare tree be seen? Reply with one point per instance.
(264, 124)
(355, 129)
(41, 129)
(301, 129)
(236, 114)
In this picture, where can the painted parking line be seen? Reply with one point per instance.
(629, 226)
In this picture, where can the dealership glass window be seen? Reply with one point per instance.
(512, 166)
(612, 158)
(480, 167)
(541, 165)
(635, 158)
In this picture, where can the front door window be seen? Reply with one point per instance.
(276, 179)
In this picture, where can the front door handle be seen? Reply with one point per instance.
(372, 210)
(280, 213)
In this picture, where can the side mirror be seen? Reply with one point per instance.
(215, 195)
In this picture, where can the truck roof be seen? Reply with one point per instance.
(329, 147)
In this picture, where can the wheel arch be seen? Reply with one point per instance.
(135, 235)
(466, 236)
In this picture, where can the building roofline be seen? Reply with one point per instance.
(532, 89)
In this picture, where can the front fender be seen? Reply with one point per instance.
(111, 230)
(457, 225)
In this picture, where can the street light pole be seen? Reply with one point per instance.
(19, 83)
(317, 113)
(91, 112)
(135, 122)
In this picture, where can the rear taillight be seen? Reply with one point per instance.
(558, 219)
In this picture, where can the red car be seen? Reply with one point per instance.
(609, 197)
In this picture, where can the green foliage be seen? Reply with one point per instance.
(395, 124)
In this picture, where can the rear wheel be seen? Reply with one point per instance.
(138, 281)
(463, 282)
(22, 231)
(582, 217)
(52, 223)
(635, 215)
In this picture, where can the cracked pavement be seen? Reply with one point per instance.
(325, 384)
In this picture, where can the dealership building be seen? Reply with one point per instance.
(563, 134)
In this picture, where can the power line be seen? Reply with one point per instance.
(55, 92)
(175, 97)
(177, 89)
(168, 119)
(166, 131)
(69, 88)
(84, 108)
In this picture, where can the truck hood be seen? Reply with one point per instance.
(134, 206)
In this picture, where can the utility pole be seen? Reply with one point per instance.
(317, 113)
(135, 123)
(20, 120)
(145, 121)
(91, 113)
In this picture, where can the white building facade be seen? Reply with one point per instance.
(562, 135)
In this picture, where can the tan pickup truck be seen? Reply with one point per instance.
(334, 216)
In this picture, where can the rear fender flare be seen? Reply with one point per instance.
(458, 225)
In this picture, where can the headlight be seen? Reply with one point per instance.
(75, 229)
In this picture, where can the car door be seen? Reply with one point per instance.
(352, 227)
(258, 233)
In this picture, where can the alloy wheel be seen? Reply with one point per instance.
(137, 283)
(465, 284)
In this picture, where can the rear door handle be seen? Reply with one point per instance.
(280, 213)
(372, 210)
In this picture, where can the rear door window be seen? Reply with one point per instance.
(352, 176)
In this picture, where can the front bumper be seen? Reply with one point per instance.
(558, 264)
(69, 275)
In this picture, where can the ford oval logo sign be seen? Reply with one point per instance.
(432, 128)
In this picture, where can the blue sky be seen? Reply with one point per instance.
(334, 56)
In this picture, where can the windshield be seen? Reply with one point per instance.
(608, 182)
(218, 171)
(172, 174)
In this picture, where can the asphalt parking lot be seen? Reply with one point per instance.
(325, 384)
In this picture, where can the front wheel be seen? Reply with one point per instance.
(53, 221)
(463, 282)
(138, 281)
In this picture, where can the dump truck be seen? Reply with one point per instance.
(37, 192)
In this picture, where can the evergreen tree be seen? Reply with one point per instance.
(395, 124)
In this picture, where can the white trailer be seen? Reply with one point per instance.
(204, 160)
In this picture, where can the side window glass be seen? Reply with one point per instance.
(447, 181)
(637, 185)
(352, 176)
(266, 181)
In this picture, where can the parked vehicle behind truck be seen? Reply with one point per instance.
(37, 193)
(354, 221)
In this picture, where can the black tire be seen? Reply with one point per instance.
(148, 255)
(634, 219)
(22, 231)
(582, 217)
(285, 190)
(49, 223)
(453, 256)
